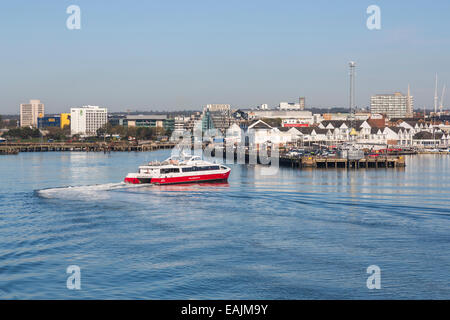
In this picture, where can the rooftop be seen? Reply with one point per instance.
(147, 117)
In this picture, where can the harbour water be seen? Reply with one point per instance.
(300, 234)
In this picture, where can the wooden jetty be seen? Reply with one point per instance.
(324, 162)
(14, 148)
(8, 150)
(333, 162)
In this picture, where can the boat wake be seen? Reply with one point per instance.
(122, 191)
(89, 192)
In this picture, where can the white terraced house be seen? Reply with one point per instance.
(335, 132)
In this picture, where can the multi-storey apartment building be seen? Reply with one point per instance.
(394, 105)
(217, 116)
(30, 112)
(87, 120)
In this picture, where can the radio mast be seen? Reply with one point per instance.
(436, 96)
(352, 65)
(441, 107)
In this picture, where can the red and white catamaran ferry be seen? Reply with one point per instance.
(179, 169)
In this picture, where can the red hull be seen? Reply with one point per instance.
(185, 179)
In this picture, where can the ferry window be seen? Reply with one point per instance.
(205, 168)
(169, 170)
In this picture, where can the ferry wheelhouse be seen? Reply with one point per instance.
(176, 169)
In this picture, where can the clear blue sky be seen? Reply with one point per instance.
(172, 55)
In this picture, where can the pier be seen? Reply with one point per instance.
(15, 148)
(318, 162)
(382, 161)
(8, 150)
(333, 163)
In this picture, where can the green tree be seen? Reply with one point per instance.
(145, 133)
(11, 124)
(131, 131)
(56, 134)
(23, 133)
(66, 130)
(120, 130)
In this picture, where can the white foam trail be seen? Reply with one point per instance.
(90, 192)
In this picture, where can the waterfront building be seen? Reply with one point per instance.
(180, 127)
(397, 136)
(299, 115)
(240, 115)
(64, 120)
(234, 134)
(416, 126)
(207, 122)
(184, 125)
(302, 103)
(192, 121)
(431, 140)
(294, 123)
(217, 116)
(376, 120)
(261, 134)
(55, 121)
(218, 107)
(293, 106)
(335, 116)
(372, 133)
(362, 115)
(367, 134)
(316, 135)
(87, 120)
(150, 121)
(49, 122)
(117, 119)
(30, 112)
(394, 105)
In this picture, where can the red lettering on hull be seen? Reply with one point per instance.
(191, 179)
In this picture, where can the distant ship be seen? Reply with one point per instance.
(179, 169)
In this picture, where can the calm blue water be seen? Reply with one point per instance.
(298, 235)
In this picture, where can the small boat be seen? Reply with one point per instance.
(179, 169)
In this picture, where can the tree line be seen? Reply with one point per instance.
(7, 123)
(140, 133)
(107, 131)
